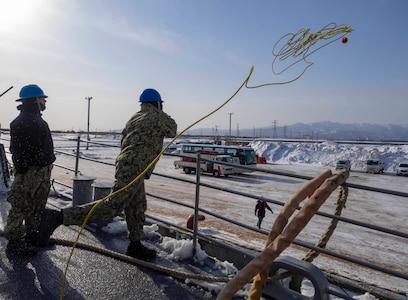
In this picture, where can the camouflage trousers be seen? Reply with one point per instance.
(28, 196)
(132, 201)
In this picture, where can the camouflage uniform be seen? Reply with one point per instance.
(142, 141)
(32, 151)
(28, 196)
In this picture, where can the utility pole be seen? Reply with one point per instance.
(229, 135)
(274, 135)
(89, 113)
(216, 133)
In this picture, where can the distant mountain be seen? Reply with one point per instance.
(325, 130)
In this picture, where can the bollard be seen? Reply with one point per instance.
(82, 190)
(101, 190)
(299, 269)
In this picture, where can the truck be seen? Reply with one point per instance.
(214, 166)
(374, 166)
(343, 164)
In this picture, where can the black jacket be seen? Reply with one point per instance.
(261, 206)
(31, 141)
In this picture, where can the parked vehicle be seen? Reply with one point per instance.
(215, 166)
(402, 169)
(343, 164)
(374, 166)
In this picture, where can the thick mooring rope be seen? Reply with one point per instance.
(340, 204)
(282, 233)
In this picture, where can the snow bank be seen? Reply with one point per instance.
(327, 153)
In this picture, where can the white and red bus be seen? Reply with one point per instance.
(242, 155)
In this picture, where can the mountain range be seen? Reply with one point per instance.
(324, 130)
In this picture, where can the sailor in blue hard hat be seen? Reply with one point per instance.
(32, 150)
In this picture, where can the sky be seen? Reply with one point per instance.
(197, 54)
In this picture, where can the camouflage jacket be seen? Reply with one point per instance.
(142, 139)
(31, 142)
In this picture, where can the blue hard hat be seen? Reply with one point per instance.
(31, 91)
(150, 95)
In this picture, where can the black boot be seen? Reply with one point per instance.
(137, 250)
(50, 220)
(20, 248)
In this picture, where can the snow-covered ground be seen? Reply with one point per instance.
(308, 159)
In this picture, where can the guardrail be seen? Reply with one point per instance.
(74, 145)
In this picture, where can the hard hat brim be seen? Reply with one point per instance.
(22, 98)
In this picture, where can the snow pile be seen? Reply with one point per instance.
(183, 249)
(327, 153)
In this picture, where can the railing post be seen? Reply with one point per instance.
(77, 155)
(197, 197)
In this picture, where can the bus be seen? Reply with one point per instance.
(242, 155)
